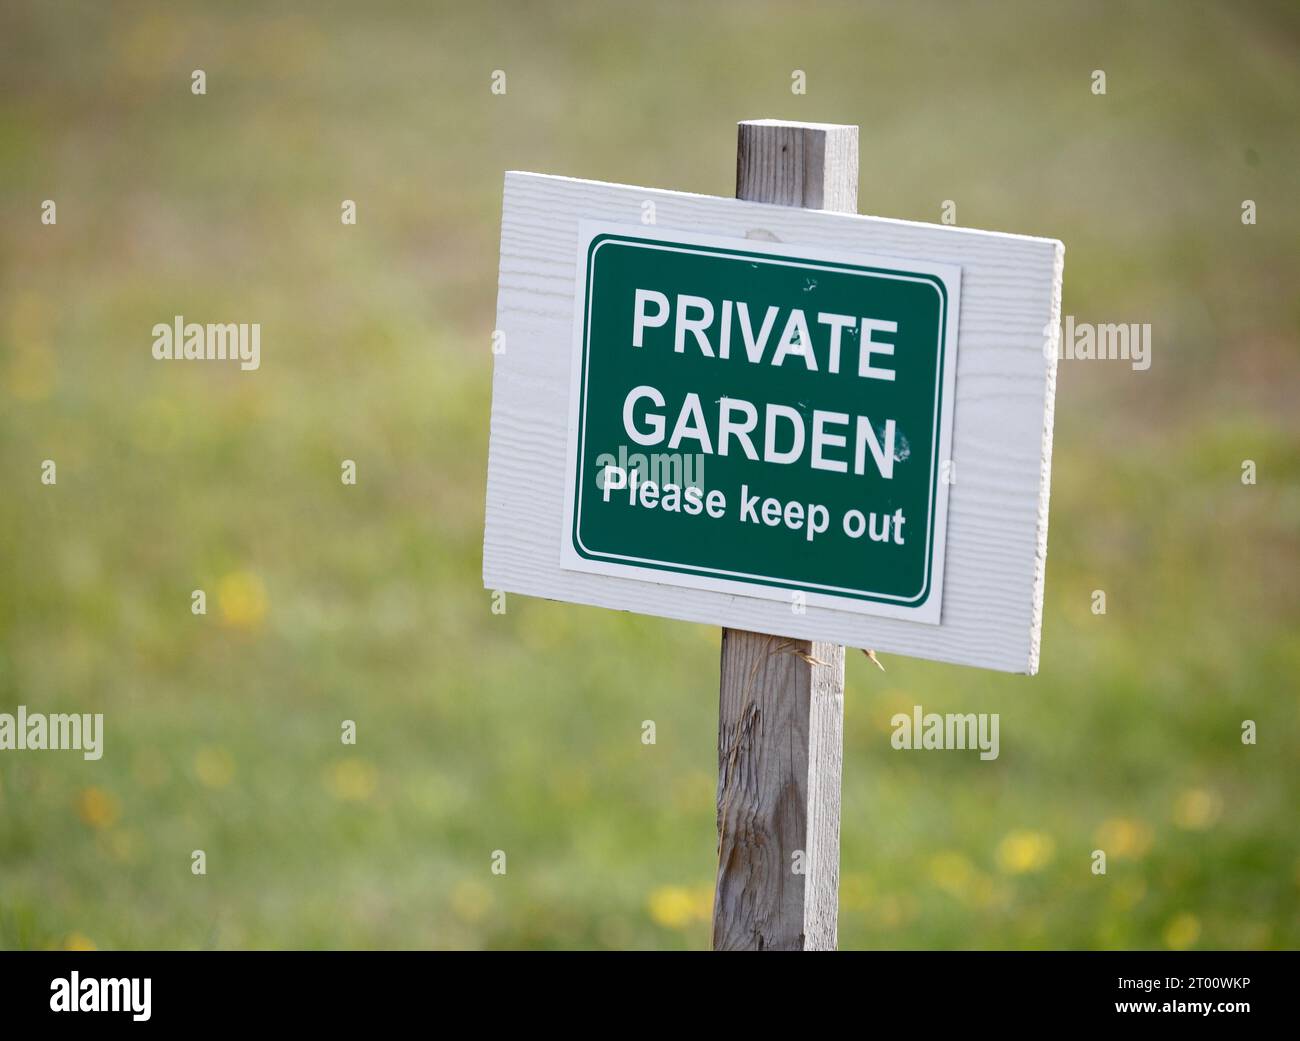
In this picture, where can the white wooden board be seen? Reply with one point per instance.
(1002, 426)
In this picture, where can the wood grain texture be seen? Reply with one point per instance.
(781, 707)
(812, 165)
(821, 905)
(781, 701)
(997, 521)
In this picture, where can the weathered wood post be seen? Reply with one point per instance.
(781, 701)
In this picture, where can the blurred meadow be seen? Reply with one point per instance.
(522, 732)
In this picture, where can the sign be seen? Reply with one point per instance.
(649, 338)
(761, 420)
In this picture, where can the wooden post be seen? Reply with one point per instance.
(781, 701)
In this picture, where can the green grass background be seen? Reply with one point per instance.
(521, 732)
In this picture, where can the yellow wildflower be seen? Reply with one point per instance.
(1182, 931)
(1021, 852)
(242, 599)
(97, 807)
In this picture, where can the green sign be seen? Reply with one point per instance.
(762, 420)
